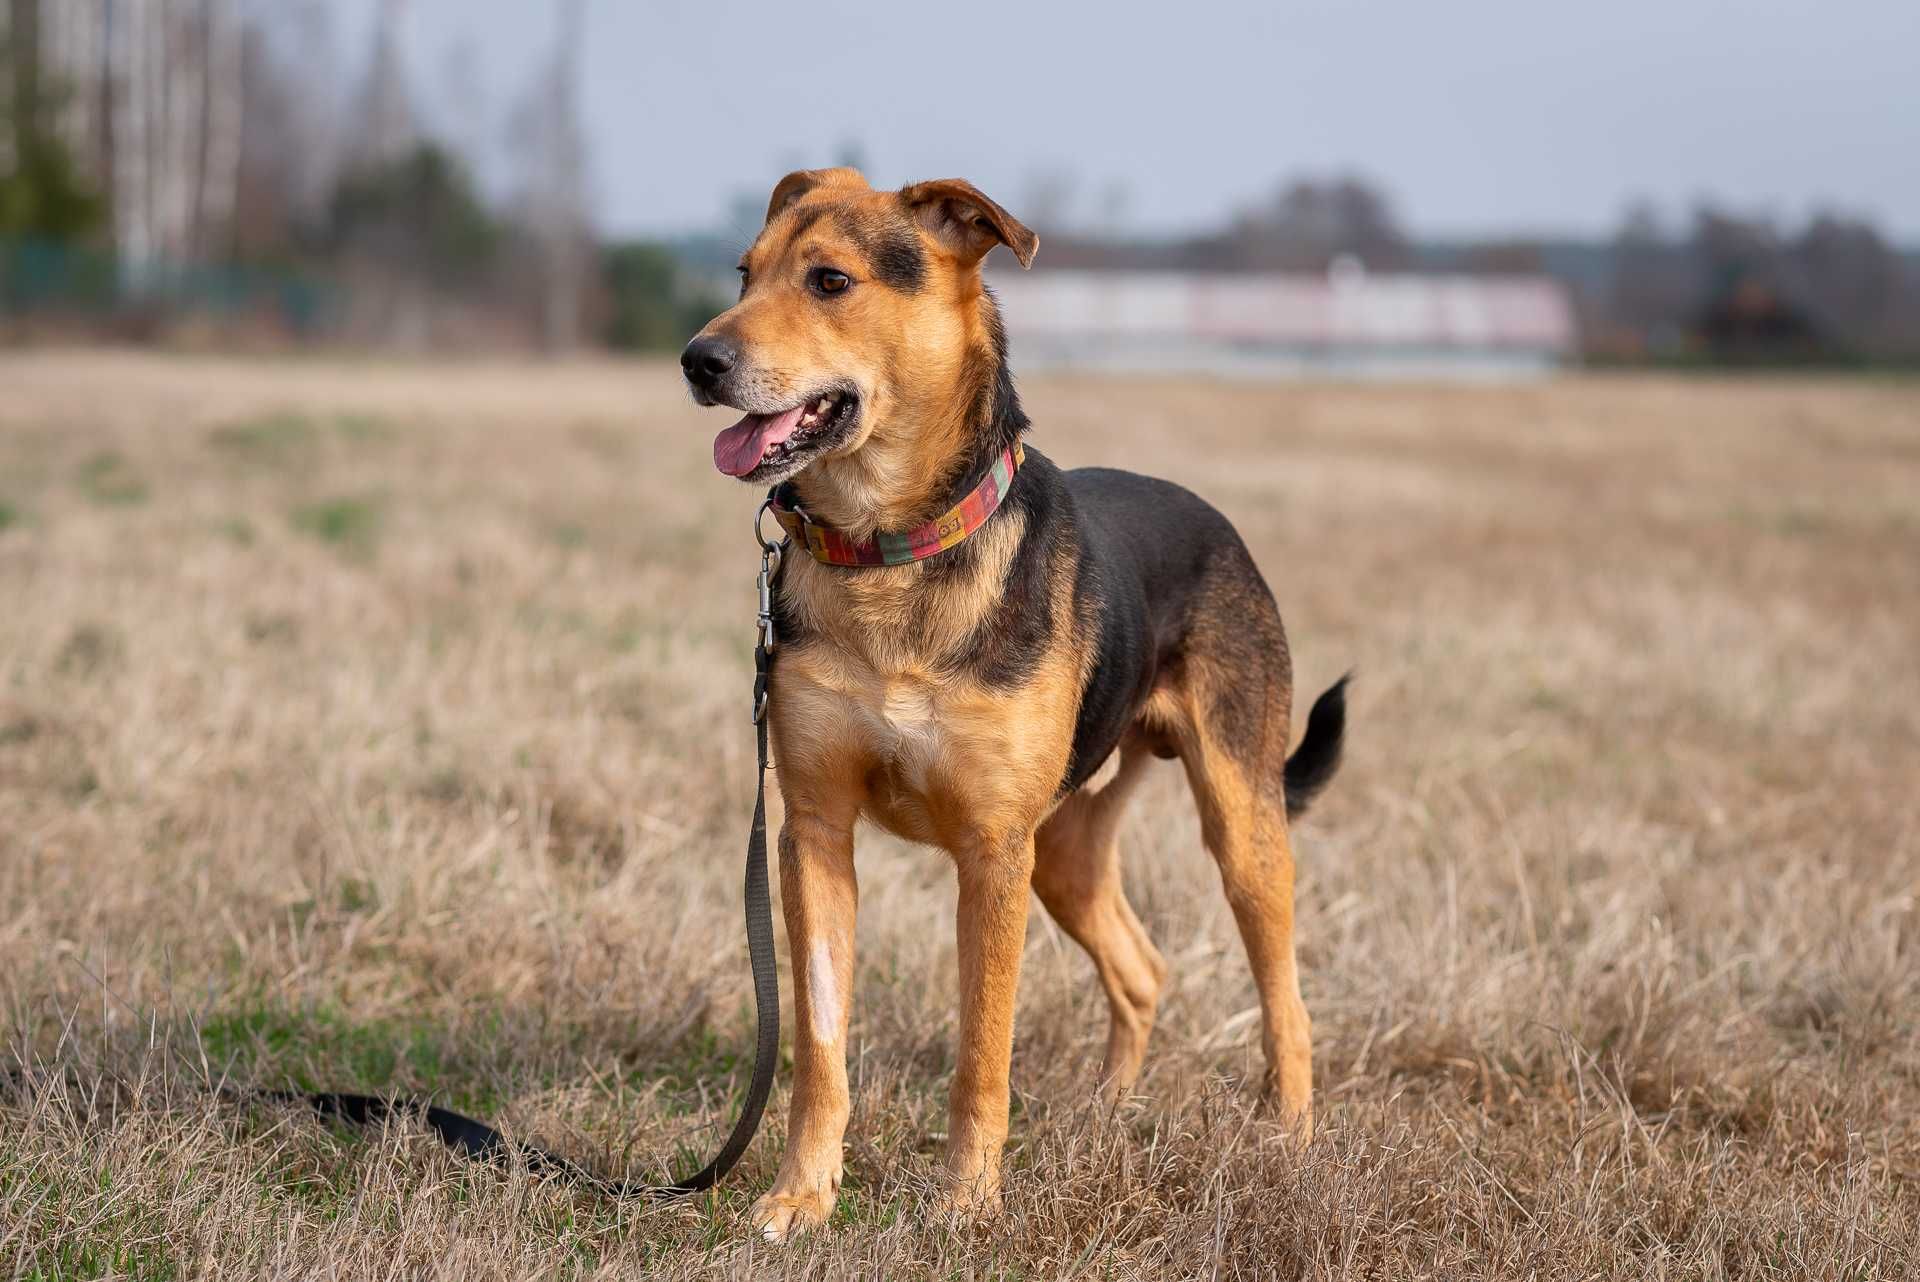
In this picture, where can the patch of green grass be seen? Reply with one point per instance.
(858, 1206)
(322, 1048)
(101, 1259)
(704, 1061)
(357, 895)
(9, 514)
(52, 1197)
(467, 1065)
(364, 428)
(447, 785)
(1793, 521)
(1543, 698)
(88, 649)
(270, 438)
(107, 478)
(286, 436)
(273, 628)
(327, 1193)
(238, 530)
(349, 523)
(543, 620)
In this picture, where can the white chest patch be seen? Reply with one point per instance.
(908, 709)
(911, 724)
(823, 994)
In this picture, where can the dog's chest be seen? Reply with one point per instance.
(876, 696)
(943, 764)
(908, 718)
(934, 758)
(910, 729)
(899, 698)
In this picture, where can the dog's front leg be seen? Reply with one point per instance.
(818, 897)
(995, 882)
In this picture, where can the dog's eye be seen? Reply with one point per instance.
(828, 281)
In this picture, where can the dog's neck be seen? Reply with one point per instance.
(922, 460)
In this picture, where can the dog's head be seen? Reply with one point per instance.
(860, 325)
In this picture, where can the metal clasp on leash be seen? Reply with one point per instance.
(770, 553)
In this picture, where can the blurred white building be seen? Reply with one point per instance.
(1346, 323)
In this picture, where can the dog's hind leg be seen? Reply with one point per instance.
(1077, 876)
(1238, 785)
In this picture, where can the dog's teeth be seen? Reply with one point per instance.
(823, 405)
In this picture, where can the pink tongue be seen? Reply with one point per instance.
(739, 449)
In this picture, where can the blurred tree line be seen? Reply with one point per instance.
(1743, 289)
(1722, 287)
(41, 193)
(161, 158)
(213, 159)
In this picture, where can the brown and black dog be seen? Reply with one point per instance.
(966, 700)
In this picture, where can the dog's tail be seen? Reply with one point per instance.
(1313, 763)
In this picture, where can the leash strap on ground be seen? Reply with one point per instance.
(476, 1139)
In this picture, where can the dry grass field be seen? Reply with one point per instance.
(383, 726)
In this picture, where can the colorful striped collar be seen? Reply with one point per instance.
(830, 547)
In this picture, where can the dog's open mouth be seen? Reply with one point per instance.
(770, 442)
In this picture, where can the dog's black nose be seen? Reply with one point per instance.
(707, 359)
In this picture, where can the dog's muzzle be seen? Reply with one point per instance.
(708, 360)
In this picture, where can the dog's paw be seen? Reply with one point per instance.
(1293, 1109)
(780, 1217)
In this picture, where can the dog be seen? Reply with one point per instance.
(965, 635)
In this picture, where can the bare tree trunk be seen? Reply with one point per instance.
(154, 132)
(563, 200)
(24, 40)
(226, 103)
(388, 119)
(182, 152)
(106, 98)
(9, 144)
(82, 30)
(56, 70)
(317, 146)
(133, 204)
(19, 79)
(61, 93)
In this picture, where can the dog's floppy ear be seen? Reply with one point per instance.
(963, 216)
(801, 181)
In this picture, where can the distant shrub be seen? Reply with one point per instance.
(418, 213)
(651, 305)
(42, 195)
(352, 524)
(109, 479)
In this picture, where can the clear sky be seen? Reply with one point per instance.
(1478, 116)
